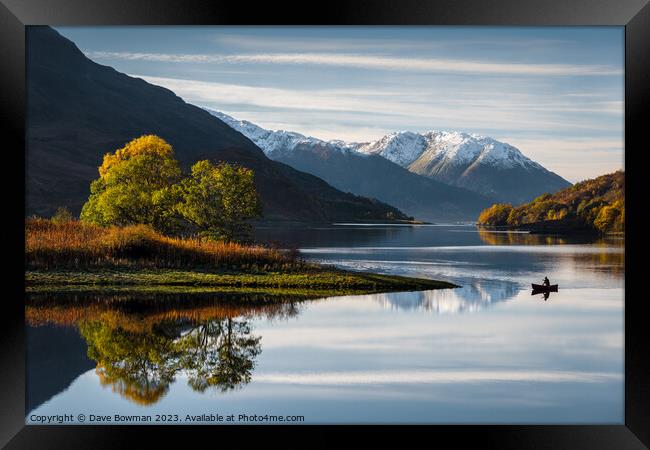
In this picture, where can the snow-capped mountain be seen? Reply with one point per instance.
(481, 164)
(364, 174)
(273, 143)
(445, 148)
(478, 163)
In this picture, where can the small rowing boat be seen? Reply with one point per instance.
(543, 288)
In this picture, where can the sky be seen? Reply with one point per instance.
(556, 93)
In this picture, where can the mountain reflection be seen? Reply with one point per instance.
(142, 345)
(472, 297)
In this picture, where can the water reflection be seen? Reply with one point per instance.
(544, 294)
(141, 344)
(388, 358)
(492, 237)
(472, 297)
(337, 234)
(141, 365)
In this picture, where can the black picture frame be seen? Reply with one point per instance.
(633, 14)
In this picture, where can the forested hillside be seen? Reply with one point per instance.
(597, 204)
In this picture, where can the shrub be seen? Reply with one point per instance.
(62, 215)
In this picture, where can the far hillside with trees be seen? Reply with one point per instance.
(592, 205)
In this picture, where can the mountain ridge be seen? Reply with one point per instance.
(467, 160)
(363, 174)
(479, 163)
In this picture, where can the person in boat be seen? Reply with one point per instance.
(546, 282)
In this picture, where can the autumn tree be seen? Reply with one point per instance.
(142, 183)
(135, 186)
(495, 215)
(219, 200)
(611, 218)
(597, 204)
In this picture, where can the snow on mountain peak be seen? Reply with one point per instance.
(454, 148)
(270, 141)
(444, 148)
(402, 147)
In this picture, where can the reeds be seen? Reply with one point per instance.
(74, 244)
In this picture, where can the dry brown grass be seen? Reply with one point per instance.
(75, 244)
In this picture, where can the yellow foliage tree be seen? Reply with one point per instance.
(134, 186)
(495, 215)
(150, 144)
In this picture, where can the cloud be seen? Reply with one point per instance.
(431, 65)
(434, 376)
(574, 159)
(417, 109)
(348, 43)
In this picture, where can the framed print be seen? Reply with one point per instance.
(403, 217)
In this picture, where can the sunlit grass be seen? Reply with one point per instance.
(323, 281)
(75, 244)
(72, 256)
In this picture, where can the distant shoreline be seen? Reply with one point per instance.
(549, 228)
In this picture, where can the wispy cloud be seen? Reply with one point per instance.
(572, 157)
(430, 65)
(350, 44)
(434, 376)
(421, 110)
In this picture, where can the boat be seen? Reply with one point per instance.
(543, 288)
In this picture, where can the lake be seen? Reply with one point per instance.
(487, 352)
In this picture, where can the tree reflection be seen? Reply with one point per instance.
(141, 365)
(142, 345)
(491, 237)
(220, 353)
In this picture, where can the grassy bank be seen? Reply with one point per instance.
(77, 245)
(73, 256)
(315, 281)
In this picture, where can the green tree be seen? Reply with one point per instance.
(219, 200)
(135, 186)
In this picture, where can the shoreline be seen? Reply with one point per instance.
(550, 231)
(321, 282)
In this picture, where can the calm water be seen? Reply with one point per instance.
(487, 352)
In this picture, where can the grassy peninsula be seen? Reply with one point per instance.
(71, 256)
